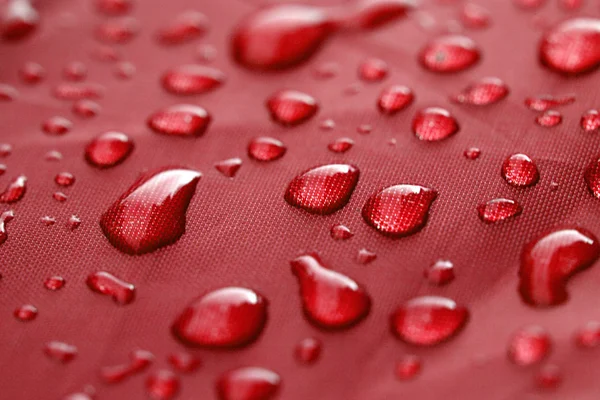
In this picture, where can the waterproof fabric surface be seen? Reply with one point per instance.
(241, 232)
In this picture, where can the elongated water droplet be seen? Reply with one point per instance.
(341, 145)
(86, 108)
(57, 126)
(341, 232)
(151, 213)
(546, 101)
(5, 218)
(588, 336)
(408, 367)
(266, 149)
(497, 210)
(365, 256)
(429, 320)
(139, 360)
(184, 362)
(114, 7)
(323, 190)
(180, 120)
(248, 383)
(15, 190)
(108, 149)
(549, 261)
(78, 91)
(54, 283)
(371, 14)
(18, 19)
(483, 92)
(590, 121)
(529, 345)
(107, 284)
(119, 30)
(227, 317)
(329, 299)
(291, 107)
(60, 351)
(308, 350)
(433, 124)
(475, 16)
(185, 28)
(162, 385)
(399, 210)
(373, 70)
(192, 79)
(549, 119)
(229, 167)
(450, 53)
(519, 170)
(395, 98)
(26, 313)
(440, 272)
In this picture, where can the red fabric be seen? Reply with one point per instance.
(241, 232)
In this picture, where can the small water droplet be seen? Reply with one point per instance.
(54, 283)
(60, 351)
(118, 30)
(108, 149)
(48, 221)
(352, 89)
(139, 360)
(399, 210)
(546, 101)
(192, 79)
(327, 124)
(588, 336)
(106, 53)
(125, 70)
(291, 107)
(78, 91)
(529, 4)
(184, 362)
(60, 197)
(86, 108)
(227, 317)
(8, 92)
(341, 145)
(5, 150)
(549, 119)
(528, 346)
(323, 190)
(107, 284)
(248, 383)
(15, 190)
(549, 377)
(570, 5)
(308, 350)
(26, 313)
(229, 167)
(162, 385)
(5, 218)
(450, 53)
(364, 129)
(440, 273)
(428, 320)
(590, 121)
(74, 222)
(572, 47)
(266, 149)
(79, 396)
(497, 210)
(53, 155)
(373, 70)
(519, 170)
(32, 73)
(472, 153)
(433, 124)
(64, 179)
(114, 7)
(329, 299)
(548, 262)
(18, 19)
(475, 16)
(186, 27)
(75, 71)
(483, 92)
(395, 98)
(180, 120)
(341, 232)
(326, 70)
(371, 14)
(365, 256)
(408, 367)
(57, 126)
(2, 169)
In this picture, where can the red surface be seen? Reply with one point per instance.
(241, 232)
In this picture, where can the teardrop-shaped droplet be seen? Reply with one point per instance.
(78, 91)
(323, 190)
(395, 98)
(373, 70)
(572, 47)
(329, 299)
(529, 345)
(109, 285)
(60, 351)
(57, 126)
(588, 336)
(15, 190)
(484, 92)
(545, 102)
(440, 272)
(549, 119)
(341, 145)
(248, 383)
(184, 362)
(399, 210)
(341, 232)
(227, 317)
(497, 210)
(185, 28)
(32, 73)
(451, 53)
(433, 124)
(229, 167)
(308, 350)
(549, 261)
(54, 283)
(5, 218)
(18, 19)
(26, 313)
(371, 14)
(180, 120)
(151, 213)
(428, 320)
(590, 120)
(108, 149)
(280, 36)
(119, 30)
(291, 107)
(114, 7)
(192, 79)
(266, 149)
(519, 170)
(162, 385)
(475, 16)
(408, 367)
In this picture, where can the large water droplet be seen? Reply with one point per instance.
(162, 385)
(227, 317)
(15, 190)
(192, 79)
(108, 149)
(151, 213)
(248, 383)
(548, 262)
(5, 218)
(329, 299)
(26, 313)
(590, 120)
(529, 345)
(180, 120)
(18, 19)
(323, 190)
(107, 284)
(440, 272)
(433, 124)
(308, 350)
(186, 27)
(497, 210)
(484, 92)
(60, 351)
(291, 107)
(266, 149)
(399, 210)
(519, 170)
(450, 53)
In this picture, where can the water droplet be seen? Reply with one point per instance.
(60, 351)
(78, 91)
(529, 4)
(5, 218)
(15, 190)
(185, 28)
(588, 336)
(373, 70)
(180, 120)
(54, 283)
(79, 396)
(266, 149)
(75, 71)
(549, 119)
(125, 70)
(519, 170)
(308, 350)
(572, 47)
(399, 210)
(114, 7)
(545, 102)
(227, 317)
(57, 126)
(184, 362)
(475, 16)
(323, 190)
(395, 98)
(428, 320)
(548, 262)
(472, 153)
(8, 93)
(590, 120)
(549, 377)
(32, 73)
(341, 232)
(440, 273)
(107, 284)
(364, 129)
(119, 30)
(192, 79)
(433, 124)
(48, 221)
(570, 5)
(451, 53)
(53, 155)
(106, 53)
(64, 179)
(2, 169)
(371, 14)
(18, 19)
(86, 108)
(529, 345)
(248, 383)
(5, 150)
(74, 222)
(365, 256)
(326, 71)
(291, 107)
(162, 385)
(484, 92)
(229, 167)
(108, 149)
(327, 124)
(280, 36)
(408, 367)
(341, 145)
(329, 299)
(26, 313)
(139, 360)
(497, 210)
(352, 89)
(60, 197)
